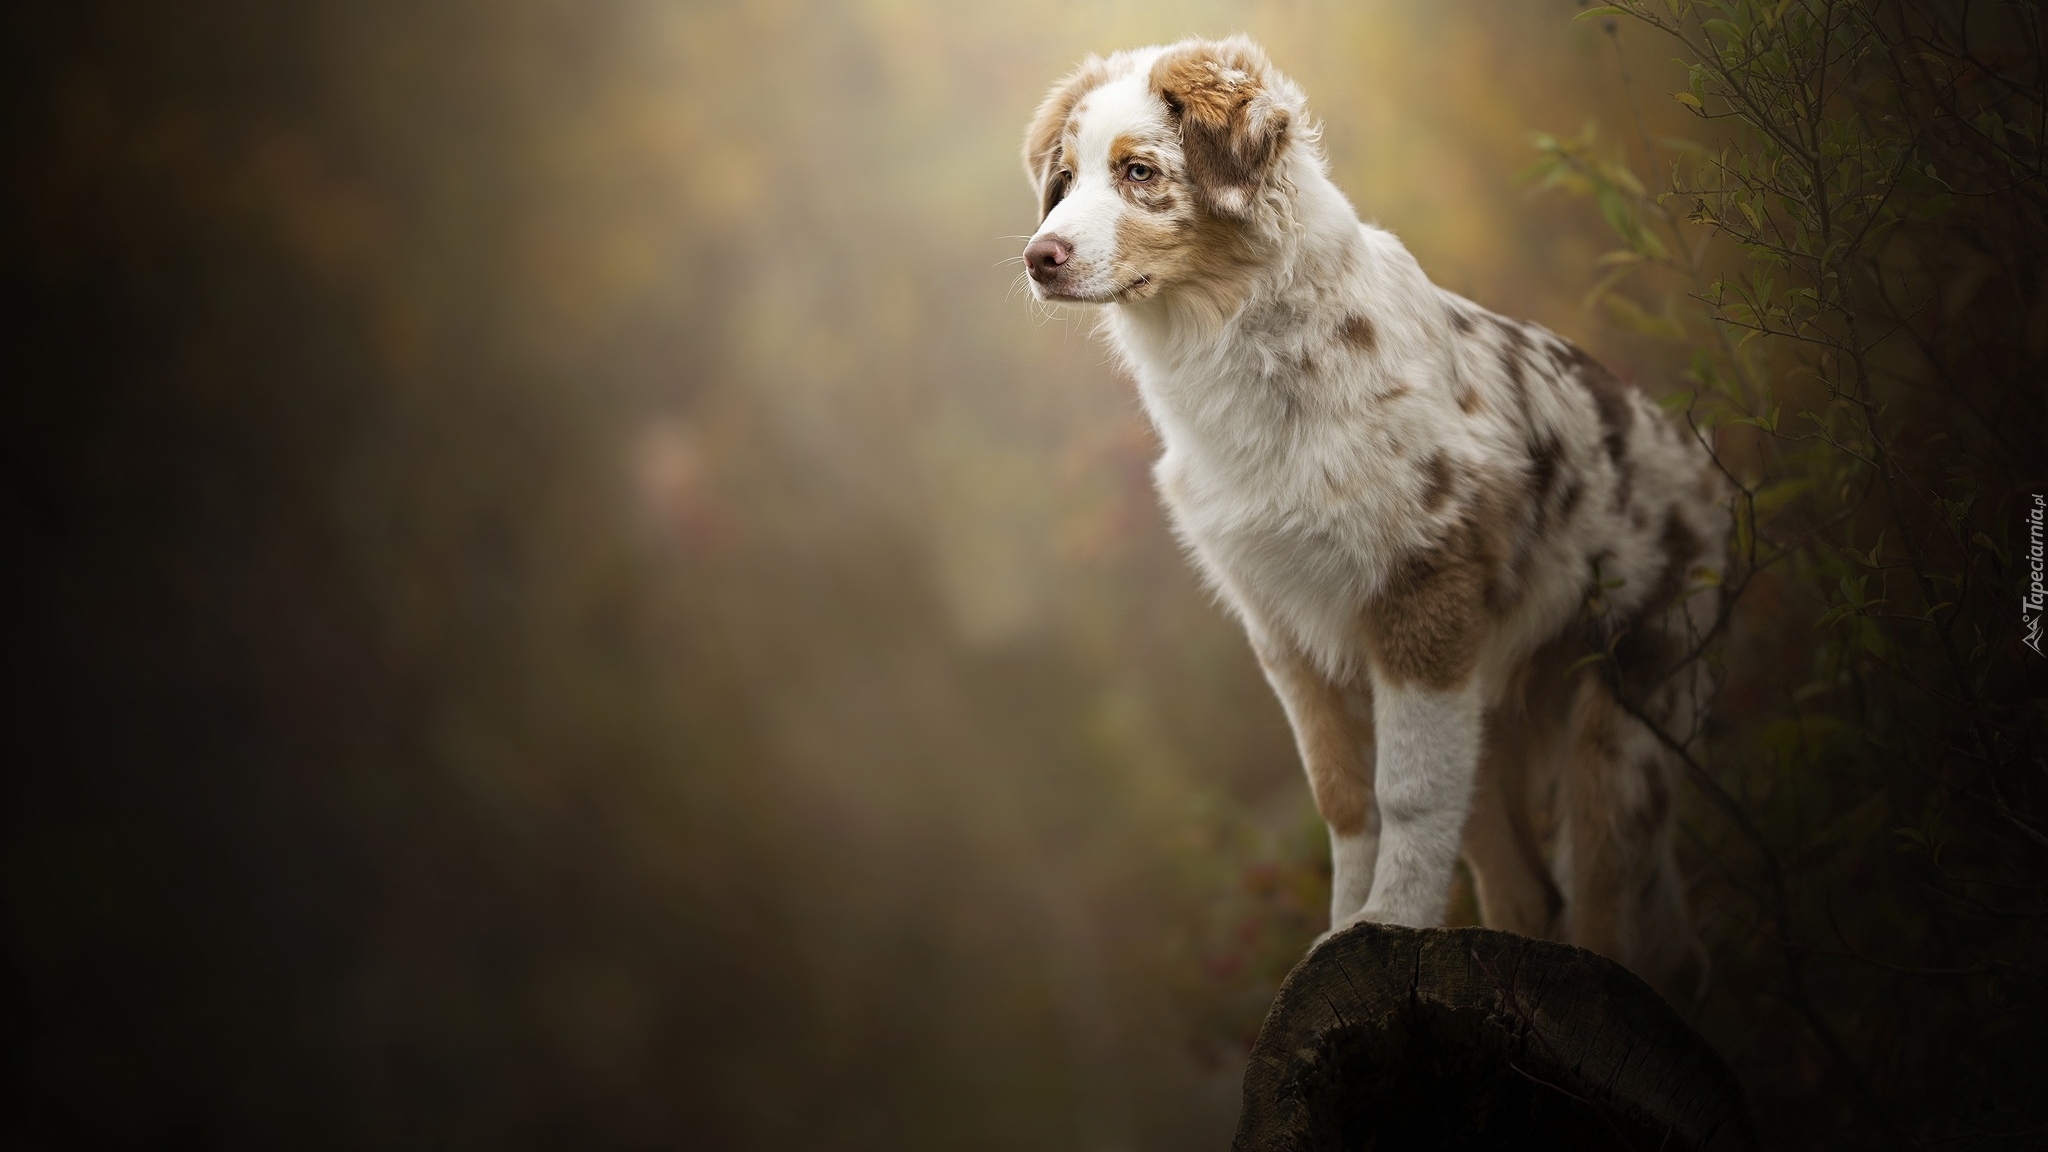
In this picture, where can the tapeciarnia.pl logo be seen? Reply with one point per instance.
(2036, 599)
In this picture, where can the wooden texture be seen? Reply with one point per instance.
(1466, 1038)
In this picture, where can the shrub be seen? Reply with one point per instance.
(1851, 254)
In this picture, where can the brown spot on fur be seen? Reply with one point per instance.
(1544, 457)
(1426, 623)
(1610, 396)
(1468, 398)
(1158, 192)
(1597, 722)
(1614, 850)
(1648, 644)
(1516, 367)
(1049, 124)
(1424, 626)
(1333, 485)
(1436, 486)
(1617, 416)
(1231, 130)
(1461, 321)
(1502, 842)
(1681, 546)
(1543, 460)
(1642, 651)
(1358, 332)
(1056, 184)
(1569, 502)
(1332, 728)
(1591, 790)
(1210, 261)
(1393, 393)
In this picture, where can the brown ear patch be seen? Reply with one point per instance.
(1049, 123)
(1219, 94)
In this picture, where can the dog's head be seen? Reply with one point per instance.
(1155, 166)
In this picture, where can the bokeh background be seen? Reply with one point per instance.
(562, 596)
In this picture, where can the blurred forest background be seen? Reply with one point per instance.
(563, 598)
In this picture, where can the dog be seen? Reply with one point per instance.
(1454, 540)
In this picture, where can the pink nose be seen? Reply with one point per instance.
(1045, 256)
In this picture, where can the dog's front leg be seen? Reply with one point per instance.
(1332, 722)
(1428, 754)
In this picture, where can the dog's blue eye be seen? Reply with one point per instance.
(1138, 173)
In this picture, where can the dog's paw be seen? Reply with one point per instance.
(1361, 916)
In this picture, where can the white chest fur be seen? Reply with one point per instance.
(1298, 442)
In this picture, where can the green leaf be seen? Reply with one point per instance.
(1768, 421)
(1631, 315)
(1689, 100)
(1812, 690)
(1603, 10)
(1859, 824)
(1775, 496)
(1989, 545)
(1588, 658)
(1605, 284)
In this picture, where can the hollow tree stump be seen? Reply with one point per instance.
(1467, 1038)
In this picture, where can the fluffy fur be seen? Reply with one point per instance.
(1424, 513)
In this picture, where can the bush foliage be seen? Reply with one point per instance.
(1851, 252)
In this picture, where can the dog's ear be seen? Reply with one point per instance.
(1042, 159)
(1231, 109)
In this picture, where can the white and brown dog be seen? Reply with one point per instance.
(1424, 513)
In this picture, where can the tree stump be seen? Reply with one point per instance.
(1469, 1039)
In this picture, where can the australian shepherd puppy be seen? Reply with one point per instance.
(1452, 537)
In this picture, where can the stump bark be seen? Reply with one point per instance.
(1469, 1039)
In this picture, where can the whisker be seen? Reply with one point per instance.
(1022, 280)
